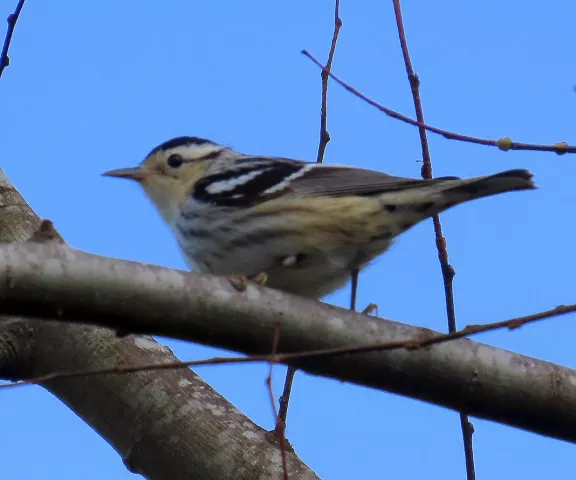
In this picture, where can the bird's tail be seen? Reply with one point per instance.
(507, 181)
(414, 203)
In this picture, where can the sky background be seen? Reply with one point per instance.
(95, 85)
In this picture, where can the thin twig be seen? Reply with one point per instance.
(279, 427)
(12, 19)
(447, 269)
(324, 135)
(324, 139)
(410, 344)
(285, 397)
(354, 288)
(503, 143)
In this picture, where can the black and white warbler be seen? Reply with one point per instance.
(305, 225)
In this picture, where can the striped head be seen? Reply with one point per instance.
(170, 169)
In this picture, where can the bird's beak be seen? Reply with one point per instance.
(135, 173)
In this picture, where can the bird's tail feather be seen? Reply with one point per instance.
(479, 187)
(440, 194)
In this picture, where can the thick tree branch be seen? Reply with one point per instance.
(15, 349)
(55, 281)
(164, 424)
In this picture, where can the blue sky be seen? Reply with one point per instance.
(95, 85)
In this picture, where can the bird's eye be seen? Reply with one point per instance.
(175, 160)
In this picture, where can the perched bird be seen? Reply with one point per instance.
(305, 225)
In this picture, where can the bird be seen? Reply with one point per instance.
(304, 226)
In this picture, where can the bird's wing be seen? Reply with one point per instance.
(252, 180)
(336, 180)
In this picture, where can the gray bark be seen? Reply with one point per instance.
(56, 281)
(164, 424)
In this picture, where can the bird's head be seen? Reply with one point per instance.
(169, 171)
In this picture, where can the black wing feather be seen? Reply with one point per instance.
(262, 178)
(245, 184)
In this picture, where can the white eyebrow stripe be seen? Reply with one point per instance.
(196, 152)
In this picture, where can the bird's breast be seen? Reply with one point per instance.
(202, 237)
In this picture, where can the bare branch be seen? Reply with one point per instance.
(447, 269)
(162, 423)
(410, 344)
(324, 135)
(504, 143)
(12, 20)
(278, 433)
(55, 281)
(285, 397)
(323, 141)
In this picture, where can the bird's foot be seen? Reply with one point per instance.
(372, 307)
(259, 279)
(240, 282)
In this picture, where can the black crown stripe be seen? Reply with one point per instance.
(181, 141)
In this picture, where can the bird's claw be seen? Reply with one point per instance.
(260, 279)
(372, 307)
(240, 282)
